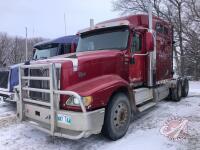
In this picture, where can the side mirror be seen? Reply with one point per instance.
(149, 42)
(73, 47)
(34, 50)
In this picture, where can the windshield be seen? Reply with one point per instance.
(112, 38)
(46, 51)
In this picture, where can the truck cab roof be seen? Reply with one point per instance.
(61, 40)
(140, 20)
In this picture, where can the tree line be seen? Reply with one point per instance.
(13, 49)
(184, 15)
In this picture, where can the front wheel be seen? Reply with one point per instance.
(117, 117)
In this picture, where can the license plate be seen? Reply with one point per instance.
(64, 119)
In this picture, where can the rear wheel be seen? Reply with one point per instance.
(185, 88)
(176, 92)
(117, 117)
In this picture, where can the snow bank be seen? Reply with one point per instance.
(143, 133)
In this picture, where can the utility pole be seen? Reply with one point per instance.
(26, 44)
(33, 32)
(65, 24)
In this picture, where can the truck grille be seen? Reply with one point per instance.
(41, 84)
(4, 78)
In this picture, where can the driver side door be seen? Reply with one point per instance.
(137, 63)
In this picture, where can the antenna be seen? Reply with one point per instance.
(91, 23)
(26, 29)
(65, 24)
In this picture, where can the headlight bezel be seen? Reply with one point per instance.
(74, 102)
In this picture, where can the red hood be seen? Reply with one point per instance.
(82, 66)
(80, 56)
(89, 55)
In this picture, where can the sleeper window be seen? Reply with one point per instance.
(159, 28)
(136, 43)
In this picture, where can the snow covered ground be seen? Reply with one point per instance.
(7, 114)
(6, 107)
(144, 132)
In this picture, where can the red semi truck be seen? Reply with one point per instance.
(122, 67)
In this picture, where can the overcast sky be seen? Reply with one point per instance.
(45, 18)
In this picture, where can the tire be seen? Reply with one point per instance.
(169, 97)
(176, 92)
(117, 117)
(185, 87)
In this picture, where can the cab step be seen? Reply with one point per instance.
(143, 95)
(146, 106)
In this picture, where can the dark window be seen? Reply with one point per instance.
(46, 51)
(166, 31)
(136, 43)
(159, 28)
(65, 49)
(4, 79)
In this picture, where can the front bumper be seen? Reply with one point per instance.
(45, 115)
(8, 96)
(81, 124)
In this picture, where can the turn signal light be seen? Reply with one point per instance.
(87, 100)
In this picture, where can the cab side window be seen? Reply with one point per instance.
(162, 29)
(65, 49)
(136, 43)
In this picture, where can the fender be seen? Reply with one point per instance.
(100, 88)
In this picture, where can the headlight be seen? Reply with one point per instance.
(73, 101)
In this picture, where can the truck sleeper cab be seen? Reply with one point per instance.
(114, 74)
(9, 78)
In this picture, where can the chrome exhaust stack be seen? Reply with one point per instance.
(152, 55)
(91, 23)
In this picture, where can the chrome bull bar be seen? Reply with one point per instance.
(52, 105)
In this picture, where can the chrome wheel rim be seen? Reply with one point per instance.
(120, 116)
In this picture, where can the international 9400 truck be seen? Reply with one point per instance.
(9, 78)
(122, 67)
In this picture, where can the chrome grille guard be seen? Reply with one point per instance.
(54, 92)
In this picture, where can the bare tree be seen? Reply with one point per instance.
(12, 49)
(135, 6)
(184, 15)
(192, 37)
(3, 48)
